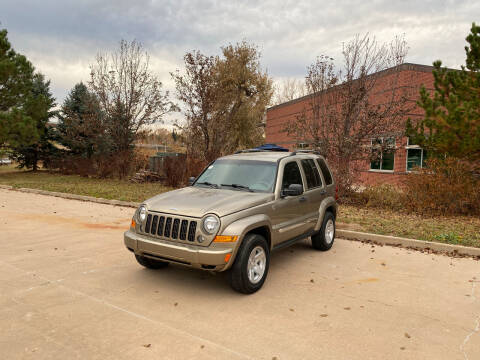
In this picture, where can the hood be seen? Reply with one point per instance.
(198, 201)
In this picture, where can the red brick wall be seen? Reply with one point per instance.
(410, 78)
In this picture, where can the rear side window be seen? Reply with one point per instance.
(311, 173)
(326, 173)
(291, 175)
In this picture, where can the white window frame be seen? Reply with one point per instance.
(417, 147)
(381, 155)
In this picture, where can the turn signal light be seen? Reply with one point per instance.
(227, 257)
(225, 238)
(133, 224)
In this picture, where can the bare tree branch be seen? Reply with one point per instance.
(127, 89)
(349, 106)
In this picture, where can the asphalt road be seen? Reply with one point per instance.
(69, 289)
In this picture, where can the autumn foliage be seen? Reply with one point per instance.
(445, 187)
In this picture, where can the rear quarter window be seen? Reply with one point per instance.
(325, 171)
(311, 173)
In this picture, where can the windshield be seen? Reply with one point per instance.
(245, 175)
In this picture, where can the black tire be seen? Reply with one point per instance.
(319, 240)
(238, 276)
(151, 263)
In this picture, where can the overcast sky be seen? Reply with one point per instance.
(61, 37)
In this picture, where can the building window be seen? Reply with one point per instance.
(383, 154)
(415, 155)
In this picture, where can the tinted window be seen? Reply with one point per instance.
(291, 175)
(311, 173)
(326, 173)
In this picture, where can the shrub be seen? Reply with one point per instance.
(384, 196)
(117, 165)
(195, 166)
(445, 187)
(175, 171)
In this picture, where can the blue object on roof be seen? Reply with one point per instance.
(270, 147)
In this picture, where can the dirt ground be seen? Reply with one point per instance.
(69, 289)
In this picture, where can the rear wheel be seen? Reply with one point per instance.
(324, 239)
(151, 263)
(250, 268)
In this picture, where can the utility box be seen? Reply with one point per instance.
(156, 163)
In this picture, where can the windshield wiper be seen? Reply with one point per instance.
(238, 186)
(215, 186)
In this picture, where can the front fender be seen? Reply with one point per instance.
(241, 227)
(324, 205)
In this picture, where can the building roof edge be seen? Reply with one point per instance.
(401, 67)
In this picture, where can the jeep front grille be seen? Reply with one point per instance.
(171, 227)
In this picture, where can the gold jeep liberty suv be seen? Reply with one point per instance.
(236, 212)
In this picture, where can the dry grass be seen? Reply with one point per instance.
(74, 184)
(452, 230)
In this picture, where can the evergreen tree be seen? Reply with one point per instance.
(38, 106)
(81, 127)
(452, 115)
(16, 78)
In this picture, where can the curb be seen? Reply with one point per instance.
(409, 243)
(73, 196)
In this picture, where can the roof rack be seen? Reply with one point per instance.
(264, 148)
(306, 151)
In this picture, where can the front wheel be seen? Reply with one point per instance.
(323, 240)
(250, 268)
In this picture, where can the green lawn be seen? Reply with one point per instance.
(452, 230)
(102, 188)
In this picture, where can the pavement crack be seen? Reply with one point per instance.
(476, 329)
(467, 338)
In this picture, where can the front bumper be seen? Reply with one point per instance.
(207, 258)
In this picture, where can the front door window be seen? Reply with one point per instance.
(291, 175)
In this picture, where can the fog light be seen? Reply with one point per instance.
(200, 239)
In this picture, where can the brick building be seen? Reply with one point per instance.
(392, 166)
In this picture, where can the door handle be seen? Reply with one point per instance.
(322, 192)
(302, 199)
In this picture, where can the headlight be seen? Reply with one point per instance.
(142, 213)
(211, 224)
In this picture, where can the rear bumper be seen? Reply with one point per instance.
(207, 258)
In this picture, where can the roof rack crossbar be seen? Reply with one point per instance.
(255, 150)
(306, 151)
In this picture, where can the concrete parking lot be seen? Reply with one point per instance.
(69, 289)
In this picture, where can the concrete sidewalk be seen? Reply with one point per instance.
(69, 289)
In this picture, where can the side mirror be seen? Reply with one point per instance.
(293, 190)
(191, 180)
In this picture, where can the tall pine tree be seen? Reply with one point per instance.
(38, 106)
(16, 80)
(451, 125)
(81, 127)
